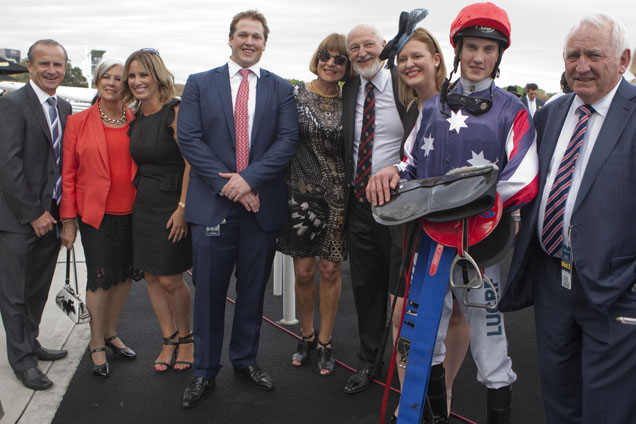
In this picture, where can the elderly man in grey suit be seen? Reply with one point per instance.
(32, 121)
(575, 259)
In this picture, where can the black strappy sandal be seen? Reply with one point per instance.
(184, 340)
(304, 348)
(167, 341)
(326, 362)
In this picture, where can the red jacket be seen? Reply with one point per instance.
(85, 168)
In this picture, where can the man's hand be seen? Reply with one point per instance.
(43, 224)
(251, 202)
(69, 232)
(236, 187)
(380, 185)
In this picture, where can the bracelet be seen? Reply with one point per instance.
(66, 220)
(181, 204)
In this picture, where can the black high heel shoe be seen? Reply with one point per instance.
(304, 348)
(168, 341)
(326, 363)
(120, 352)
(184, 340)
(101, 370)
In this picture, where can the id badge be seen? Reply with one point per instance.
(214, 231)
(566, 267)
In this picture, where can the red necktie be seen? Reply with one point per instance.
(241, 123)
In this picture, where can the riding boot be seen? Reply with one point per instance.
(436, 395)
(499, 401)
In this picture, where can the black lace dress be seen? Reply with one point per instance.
(316, 181)
(158, 180)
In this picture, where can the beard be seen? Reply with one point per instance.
(371, 70)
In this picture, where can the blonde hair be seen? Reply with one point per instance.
(153, 64)
(632, 68)
(407, 94)
(332, 43)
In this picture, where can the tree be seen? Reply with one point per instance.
(72, 78)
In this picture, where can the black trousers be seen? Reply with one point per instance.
(27, 264)
(374, 261)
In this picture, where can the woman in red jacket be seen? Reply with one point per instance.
(97, 190)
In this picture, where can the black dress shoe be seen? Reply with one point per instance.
(34, 378)
(257, 377)
(45, 354)
(195, 391)
(359, 381)
(120, 352)
(101, 370)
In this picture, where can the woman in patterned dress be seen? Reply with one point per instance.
(316, 184)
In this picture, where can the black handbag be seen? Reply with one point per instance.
(69, 300)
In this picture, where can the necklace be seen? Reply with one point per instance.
(106, 118)
(315, 89)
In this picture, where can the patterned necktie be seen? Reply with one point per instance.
(552, 233)
(56, 138)
(241, 123)
(365, 150)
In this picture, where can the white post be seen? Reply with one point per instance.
(284, 284)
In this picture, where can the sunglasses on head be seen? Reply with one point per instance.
(151, 51)
(338, 59)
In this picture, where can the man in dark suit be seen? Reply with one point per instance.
(576, 254)
(32, 120)
(530, 99)
(374, 259)
(238, 128)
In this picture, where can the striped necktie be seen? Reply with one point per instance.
(365, 150)
(552, 233)
(241, 123)
(56, 138)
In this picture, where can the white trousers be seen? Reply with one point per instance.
(488, 343)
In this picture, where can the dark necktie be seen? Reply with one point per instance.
(552, 233)
(241, 123)
(365, 150)
(56, 138)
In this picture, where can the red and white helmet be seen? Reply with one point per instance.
(481, 20)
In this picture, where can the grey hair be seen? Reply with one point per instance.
(374, 30)
(47, 42)
(618, 32)
(103, 66)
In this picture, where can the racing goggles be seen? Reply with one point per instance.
(473, 105)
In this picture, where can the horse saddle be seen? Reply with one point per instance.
(458, 194)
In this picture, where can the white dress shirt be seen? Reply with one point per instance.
(46, 107)
(594, 125)
(388, 125)
(532, 106)
(235, 82)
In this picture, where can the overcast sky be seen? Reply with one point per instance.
(191, 35)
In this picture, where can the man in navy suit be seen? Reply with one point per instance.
(32, 121)
(580, 273)
(237, 198)
(530, 99)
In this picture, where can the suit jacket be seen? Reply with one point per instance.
(349, 98)
(207, 141)
(85, 168)
(603, 233)
(539, 103)
(27, 160)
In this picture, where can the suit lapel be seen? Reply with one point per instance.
(615, 121)
(95, 125)
(38, 112)
(222, 83)
(263, 90)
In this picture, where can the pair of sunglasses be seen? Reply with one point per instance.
(338, 59)
(473, 105)
(151, 51)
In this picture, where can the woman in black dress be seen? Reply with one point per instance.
(161, 241)
(316, 183)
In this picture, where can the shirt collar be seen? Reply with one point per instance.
(379, 80)
(42, 95)
(234, 67)
(602, 105)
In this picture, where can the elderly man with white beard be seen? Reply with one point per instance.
(373, 135)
